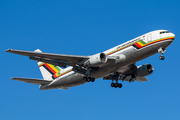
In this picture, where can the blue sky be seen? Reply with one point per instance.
(84, 28)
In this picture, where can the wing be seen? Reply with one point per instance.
(128, 78)
(50, 57)
(33, 81)
(126, 74)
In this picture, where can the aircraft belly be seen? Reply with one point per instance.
(70, 81)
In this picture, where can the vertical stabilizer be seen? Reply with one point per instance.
(48, 71)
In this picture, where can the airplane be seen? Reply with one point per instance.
(61, 71)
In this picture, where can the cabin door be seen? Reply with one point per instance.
(149, 37)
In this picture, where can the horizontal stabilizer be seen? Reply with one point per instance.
(33, 81)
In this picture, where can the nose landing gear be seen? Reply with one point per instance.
(162, 51)
(161, 57)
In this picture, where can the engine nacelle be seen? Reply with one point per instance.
(97, 59)
(144, 70)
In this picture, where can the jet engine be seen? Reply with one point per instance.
(97, 59)
(144, 70)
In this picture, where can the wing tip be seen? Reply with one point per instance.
(8, 50)
(14, 78)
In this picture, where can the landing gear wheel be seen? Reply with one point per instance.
(92, 79)
(88, 79)
(85, 78)
(116, 85)
(161, 57)
(112, 84)
(162, 51)
(120, 85)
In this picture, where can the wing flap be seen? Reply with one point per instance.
(128, 78)
(110, 77)
(142, 79)
(33, 81)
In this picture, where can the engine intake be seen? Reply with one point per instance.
(144, 70)
(97, 59)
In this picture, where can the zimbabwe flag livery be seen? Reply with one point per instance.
(141, 43)
(54, 70)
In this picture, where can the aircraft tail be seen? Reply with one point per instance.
(49, 71)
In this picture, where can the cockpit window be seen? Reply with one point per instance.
(164, 32)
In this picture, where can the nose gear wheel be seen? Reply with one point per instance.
(162, 51)
(161, 57)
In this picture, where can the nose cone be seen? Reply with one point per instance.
(173, 36)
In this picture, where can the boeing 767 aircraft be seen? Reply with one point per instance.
(117, 63)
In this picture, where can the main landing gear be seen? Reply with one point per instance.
(116, 85)
(162, 51)
(89, 79)
(88, 74)
(116, 77)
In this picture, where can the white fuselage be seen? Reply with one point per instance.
(133, 50)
